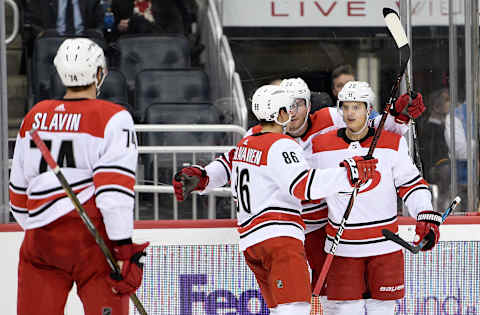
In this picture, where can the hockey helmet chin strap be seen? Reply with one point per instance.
(285, 123)
(363, 128)
(99, 83)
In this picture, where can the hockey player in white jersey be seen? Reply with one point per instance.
(94, 143)
(303, 127)
(270, 178)
(367, 270)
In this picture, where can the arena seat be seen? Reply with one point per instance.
(45, 49)
(138, 53)
(177, 113)
(169, 86)
(114, 88)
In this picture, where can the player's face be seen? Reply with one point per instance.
(354, 115)
(298, 114)
(340, 81)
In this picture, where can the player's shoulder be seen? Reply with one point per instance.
(322, 118)
(264, 140)
(92, 115)
(253, 130)
(107, 108)
(389, 140)
(319, 120)
(328, 142)
(256, 149)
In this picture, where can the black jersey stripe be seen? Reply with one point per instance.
(243, 235)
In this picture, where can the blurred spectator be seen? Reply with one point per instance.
(434, 136)
(340, 76)
(275, 82)
(320, 100)
(460, 120)
(163, 17)
(59, 18)
(154, 16)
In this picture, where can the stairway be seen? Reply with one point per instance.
(16, 83)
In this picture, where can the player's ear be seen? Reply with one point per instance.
(282, 114)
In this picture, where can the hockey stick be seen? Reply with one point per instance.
(81, 211)
(415, 249)
(396, 30)
(416, 157)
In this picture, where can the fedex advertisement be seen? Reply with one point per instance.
(193, 269)
(215, 280)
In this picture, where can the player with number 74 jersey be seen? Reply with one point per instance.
(270, 178)
(94, 143)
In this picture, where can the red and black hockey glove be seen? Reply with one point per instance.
(427, 227)
(189, 179)
(130, 278)
(359, 169)
(414, 110)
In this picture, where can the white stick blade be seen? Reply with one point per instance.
(395, 27)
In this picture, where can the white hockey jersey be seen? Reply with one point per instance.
(322, 121)
(270, 177)
(375, 207)
(94, 143)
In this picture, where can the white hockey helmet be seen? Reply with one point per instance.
(268, 100)
(357, 91)
(298, 88)
(77, 62)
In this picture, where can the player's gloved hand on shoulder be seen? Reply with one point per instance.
(129, 256)
(427, 227)
(414, 110)
(359, 169)
(189, 179)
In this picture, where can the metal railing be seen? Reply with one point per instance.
(156, 187)
(16, 19)
(226, 88)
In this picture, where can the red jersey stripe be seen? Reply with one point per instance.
(33, 204)
(272, 216)
(402, 191)
(319, 214)
(362, 233)
(112, 178)
(18, 200)
(299, 189)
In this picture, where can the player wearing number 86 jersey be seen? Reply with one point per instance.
(270, 178)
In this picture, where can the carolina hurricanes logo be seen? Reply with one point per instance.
(372, 183)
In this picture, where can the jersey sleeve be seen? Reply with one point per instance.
(337, 119)
(114, 176)
(411, 186)
(391, 125)
(219, 171)
(18, 184)
(293, 173)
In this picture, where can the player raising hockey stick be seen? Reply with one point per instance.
(94, 143)
(367, 270)
(303, 127)
(270, 178)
